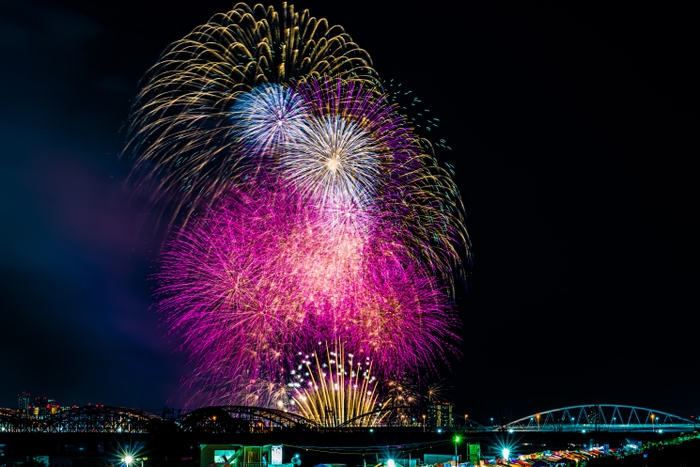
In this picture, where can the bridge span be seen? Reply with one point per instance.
(244, 419)
(600, 417)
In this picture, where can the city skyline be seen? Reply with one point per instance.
(568, 133)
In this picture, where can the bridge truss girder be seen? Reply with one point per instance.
(89, 419)
(600, 417)
(241, 419)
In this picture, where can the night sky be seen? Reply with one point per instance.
(570, 130)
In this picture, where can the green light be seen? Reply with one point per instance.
(458, 438)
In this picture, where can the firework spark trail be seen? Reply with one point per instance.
(267, 118)
(180, 124)
(337, 391)
(349, 145)
(335, 161)
(221, 296)
(392, 173)
(348, 148)
(263, 276)
(309, 208)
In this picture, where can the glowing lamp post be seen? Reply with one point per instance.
(506, 453)
(129, 459)
(457, 439)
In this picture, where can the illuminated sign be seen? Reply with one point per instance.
(276, 455)
(223, 456)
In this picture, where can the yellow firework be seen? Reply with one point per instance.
(336, 391)
(181, 122)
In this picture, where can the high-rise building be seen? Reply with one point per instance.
(52, 406)
(440, 415)
(23, 402)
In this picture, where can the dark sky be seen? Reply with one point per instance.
(571, 135)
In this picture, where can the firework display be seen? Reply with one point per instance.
(181, 125)
(304, 207)
(266, 274)
(338, 391)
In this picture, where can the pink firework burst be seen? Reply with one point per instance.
(267, 274)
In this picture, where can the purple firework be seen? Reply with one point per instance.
(265, 275)
(309, 209)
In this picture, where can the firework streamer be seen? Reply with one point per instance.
(337, 391)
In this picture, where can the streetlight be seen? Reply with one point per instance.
(465, 419)
(652, 422)
(457, 439)
(505, 452)
(129, 459)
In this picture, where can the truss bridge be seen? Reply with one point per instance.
(600, 417)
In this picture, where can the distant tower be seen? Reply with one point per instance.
(53, 406)
(440, 414)
(168, 413)
(23, 402)
(41, 406)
